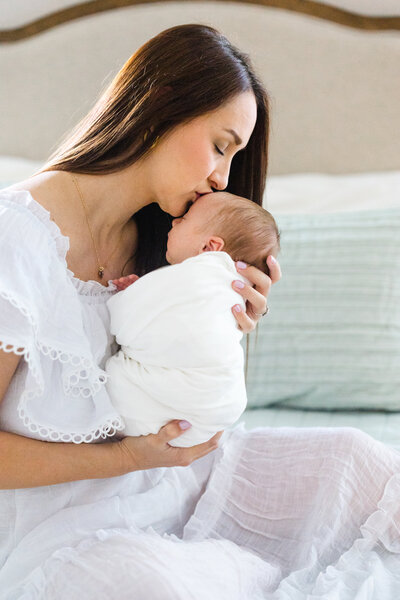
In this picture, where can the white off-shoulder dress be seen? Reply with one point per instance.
(271, 514)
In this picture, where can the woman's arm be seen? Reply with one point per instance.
(8, 365)
(25, 462)
(29, 463)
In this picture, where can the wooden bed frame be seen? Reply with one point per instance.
(333, 75)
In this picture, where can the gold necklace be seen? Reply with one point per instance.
(100, 271)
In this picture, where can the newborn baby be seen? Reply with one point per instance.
(180, 355)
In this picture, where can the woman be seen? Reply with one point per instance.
(185, 116)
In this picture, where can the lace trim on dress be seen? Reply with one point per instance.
(81, 376)
(108, 428)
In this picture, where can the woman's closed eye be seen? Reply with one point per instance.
(218, 150)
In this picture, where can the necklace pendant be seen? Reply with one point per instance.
(100, 272)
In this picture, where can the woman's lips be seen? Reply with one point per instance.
(198, 195)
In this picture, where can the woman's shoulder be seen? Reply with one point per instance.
(25, 223)
(42, 191)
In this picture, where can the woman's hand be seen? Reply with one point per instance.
(123, 282)
(256, 296)
(150, 451)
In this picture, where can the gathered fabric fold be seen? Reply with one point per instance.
(41, 319)
(326, 531)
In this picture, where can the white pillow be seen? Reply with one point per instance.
(316, 193)
(332, 339)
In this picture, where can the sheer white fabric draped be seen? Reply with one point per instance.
(286, 514)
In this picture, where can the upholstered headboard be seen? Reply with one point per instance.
(333, 71)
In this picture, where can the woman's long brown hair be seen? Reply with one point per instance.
(181, 73)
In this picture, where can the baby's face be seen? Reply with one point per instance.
(188, 236)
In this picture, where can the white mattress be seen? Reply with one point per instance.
(382, 426)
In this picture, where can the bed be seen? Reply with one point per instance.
(328, 354)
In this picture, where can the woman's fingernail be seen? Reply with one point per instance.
(184, 424)
(272, 259)
(241, 265)
(237, 308)
(239, 284)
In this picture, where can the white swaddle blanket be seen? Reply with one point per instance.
(180, 354)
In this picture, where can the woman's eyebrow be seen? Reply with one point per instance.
(237, 139)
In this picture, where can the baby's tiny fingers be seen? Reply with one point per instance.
(123, 282)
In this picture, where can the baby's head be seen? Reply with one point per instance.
(223, 222)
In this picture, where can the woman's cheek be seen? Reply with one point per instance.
(205, 166)
(200, 152)
(196, 164)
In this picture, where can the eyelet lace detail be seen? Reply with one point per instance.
(82, 365)
(83, 370)
(108, 428)
(80, 375)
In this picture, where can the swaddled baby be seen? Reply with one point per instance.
(180, 355)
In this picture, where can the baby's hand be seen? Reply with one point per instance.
(123, 282)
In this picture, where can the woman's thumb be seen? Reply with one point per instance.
(174, 429)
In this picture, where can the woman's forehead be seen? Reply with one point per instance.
(238, 114)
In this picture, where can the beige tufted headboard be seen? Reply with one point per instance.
(333, 71)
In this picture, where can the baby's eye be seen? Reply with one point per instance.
(218, 150)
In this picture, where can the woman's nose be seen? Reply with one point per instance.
(219, 178)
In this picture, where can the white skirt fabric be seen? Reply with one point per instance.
(272, 514)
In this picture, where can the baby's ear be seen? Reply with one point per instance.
(213, 244)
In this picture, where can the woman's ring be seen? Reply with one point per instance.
(264, 313)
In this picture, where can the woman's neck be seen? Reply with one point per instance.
(110, 200)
